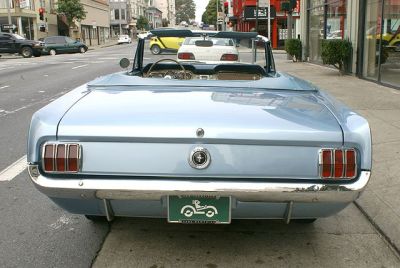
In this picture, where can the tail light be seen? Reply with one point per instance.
(338, 163)
(186, 56)
(229, 57)
(61, 157)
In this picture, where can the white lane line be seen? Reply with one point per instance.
(14, 169)
(108, 58)
(6, 68)
(4, 87)
(80, 66)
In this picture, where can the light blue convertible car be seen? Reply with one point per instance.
(198, 141)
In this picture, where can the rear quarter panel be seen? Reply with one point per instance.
(44, 122)
(356, 130)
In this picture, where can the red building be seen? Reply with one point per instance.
(244, 19)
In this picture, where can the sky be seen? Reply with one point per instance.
(200, 8)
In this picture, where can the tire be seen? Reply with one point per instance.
(95, 218)
(155, 49)
(82, 49)
(26, 52)
(397, 49)
(304, 221)
(52, 52)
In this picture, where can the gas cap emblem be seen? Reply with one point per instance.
(199, 158)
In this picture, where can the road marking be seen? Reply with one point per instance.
(14, 169)
(80, 66)
(6, 68)
(4, 87)
(108, 58)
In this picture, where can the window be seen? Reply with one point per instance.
(122, 14)
(5, 37)
(327, 20)
(116, 14)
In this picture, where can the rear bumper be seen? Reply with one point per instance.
(141, 189)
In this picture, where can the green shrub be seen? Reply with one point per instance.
(337, 53)
(293, 48)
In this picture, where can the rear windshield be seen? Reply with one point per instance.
(216, 41)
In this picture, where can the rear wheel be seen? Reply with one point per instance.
(155, 49)
(82, 50)
(26, 52)
(52, 52)
(96, 218)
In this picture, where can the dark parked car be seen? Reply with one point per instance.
(14, 43)
(62, 44)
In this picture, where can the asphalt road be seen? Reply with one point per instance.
(33, 231)
(36, 233)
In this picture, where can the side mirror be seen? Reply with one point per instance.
(124, 63)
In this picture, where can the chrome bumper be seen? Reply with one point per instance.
(140, 189)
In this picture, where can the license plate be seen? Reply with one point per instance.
(199, 209)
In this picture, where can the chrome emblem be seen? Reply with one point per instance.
(199, 158)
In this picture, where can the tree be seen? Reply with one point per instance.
(185, 10)
(142, 23)
(210, 15)
(73, 10)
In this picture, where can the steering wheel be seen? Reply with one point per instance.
(157, 62)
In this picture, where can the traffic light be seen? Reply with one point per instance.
(226, 6)
(41, 13)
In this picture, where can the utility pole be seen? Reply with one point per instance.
(120, 17)
(9, 14)
(217, 15)
(269, 20)
(257, 16)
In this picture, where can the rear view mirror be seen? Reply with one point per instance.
(204, 43)
(124, 63)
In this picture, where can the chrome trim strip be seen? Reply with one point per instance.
(142, 189)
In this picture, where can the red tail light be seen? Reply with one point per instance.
(61, 158)
(338, 163)
(186, 56)
(229, 57)
(351, 163)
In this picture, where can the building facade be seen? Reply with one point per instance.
(167, 7)
(244, 19)
(95, 28)
(119, 17)
(154, 15)
(25, 16)
(372, 26)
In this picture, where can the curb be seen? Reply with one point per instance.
(102, 46)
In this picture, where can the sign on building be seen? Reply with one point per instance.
(250, 13)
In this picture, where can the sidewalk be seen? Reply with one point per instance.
(381, 106)
(108, 44)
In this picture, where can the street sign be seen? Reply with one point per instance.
(5, 27)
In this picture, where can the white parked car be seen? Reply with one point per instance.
(208, 49)
(124, 39)
(144, 35)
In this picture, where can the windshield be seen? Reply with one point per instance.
(17, 36)
(204, 48)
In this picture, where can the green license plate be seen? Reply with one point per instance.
(199, 209)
